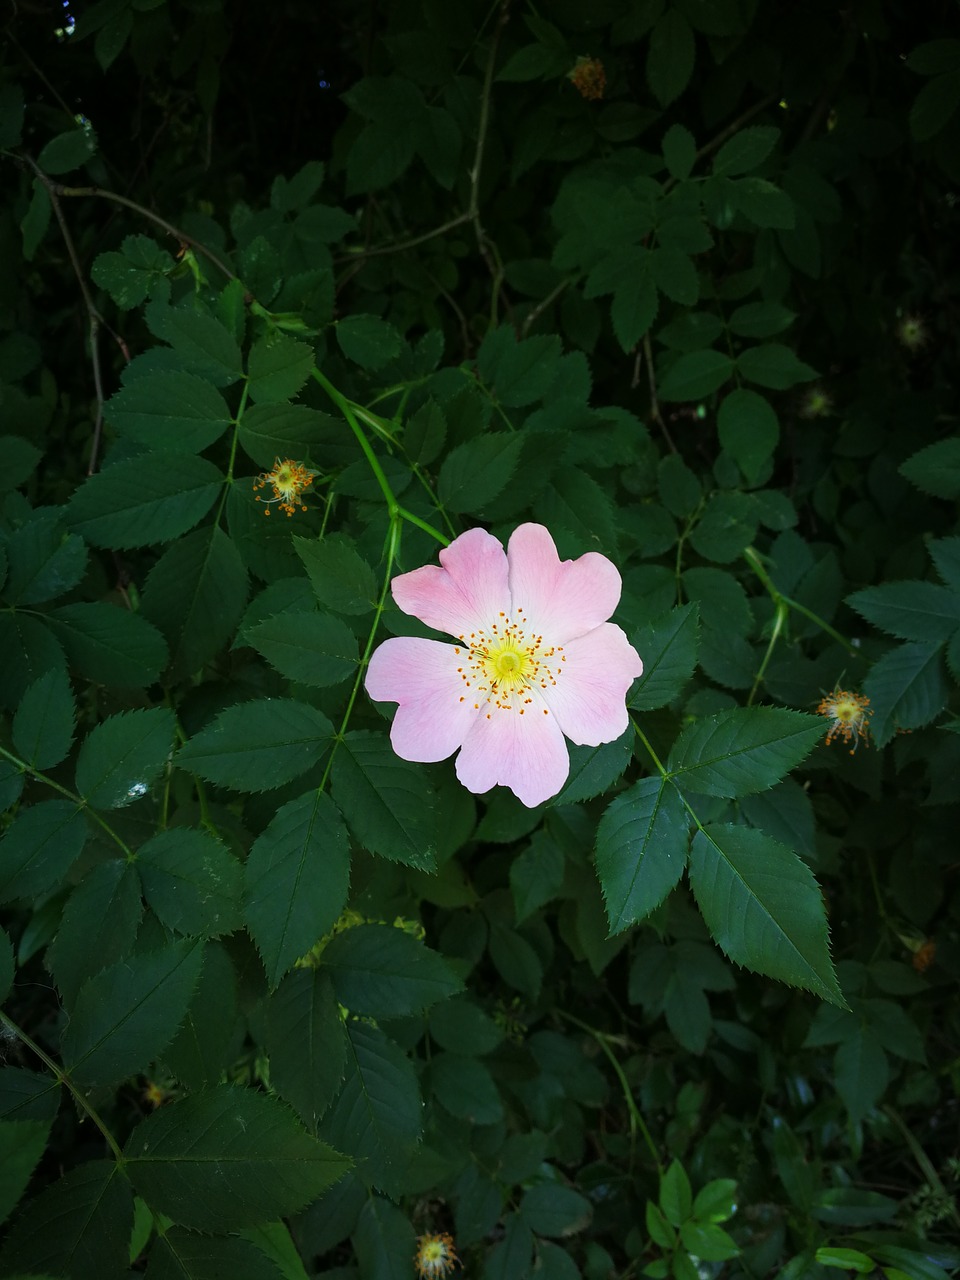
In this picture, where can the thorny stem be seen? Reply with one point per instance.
(486, 247)
(636, 1118)
(72, 796)
(654, 402)
(64, 1079)
(95, 320)
(101, 192)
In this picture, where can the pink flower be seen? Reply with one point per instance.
(536, 659)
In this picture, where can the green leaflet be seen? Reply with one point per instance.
(641, 850)
(254, 746)
(266, 1165)
(296, 881)
(79, 1226)
(125, 1016)
(763, 907)
(381, 972)
(743, 750)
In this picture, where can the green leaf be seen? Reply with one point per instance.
(257, 745)
(760, 319)
(668, 648)
(907, 689)
(696, 374)
(44, 560)
(68, 151)
(748, 429)
(845, 1259)
(511, 1257)
(384, 1241)
(388, 803)
(211, 1032)
(341, 579)
(99, 925)
(20, 458)
(11, 785)
(306, 1043)
(278, 367)
(36, 220)
(382, 972)
(44, 722)
(773, 365)
(192, 882)
(186, 1255)
(634, 309)
(763, 203)
(376, 1116)
(746, 150)
(121, 757)
(935, 106)
(763, 907)
(7, 969)
(314, 649)
(169, 411)
(130, 275)
(910, 610)
(297, 877)
(518, 372)
(743, 750)
(475, 473)
(78, 1227)
(275, 1243)
(679, 151)
(935, 57)
(204, 345)
(641, 850)
(717, 1201)
(22, 1143)
(551, 1209)
(368, 340)
(227, 1159)
(676, 1198)
(39, 847)
(464, 1087)
(675, 275)
(726, 527)
(945, 553)
(195, 594)
(707, 1241)
(593, 770)
(461, 1026)
(670, 57)
(126, 1015)
(11, 114)
(269, 432)
(936, 469)
(143, 500)
(110, 645)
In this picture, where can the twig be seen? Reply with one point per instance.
(486, 246)
(655, 413)
(412, 243)
(541, 306)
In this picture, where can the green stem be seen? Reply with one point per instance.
(779, 597)
(636, 1119)
(392, 548)
(349, 411)
(64, 1079)
(72, 797)
(779, 619)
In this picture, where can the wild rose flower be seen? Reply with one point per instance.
(536, 660)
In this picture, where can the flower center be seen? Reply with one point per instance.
(505, 664)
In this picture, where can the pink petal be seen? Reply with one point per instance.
(433, 717)
(589, 697)
(560, 598)
(466, 594)
(525, 753)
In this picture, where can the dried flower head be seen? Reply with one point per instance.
(288, 480)
(924, 956)
(435, 1256)
(849, 713)
(588, 78)
(816, 403)
(912, 333)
